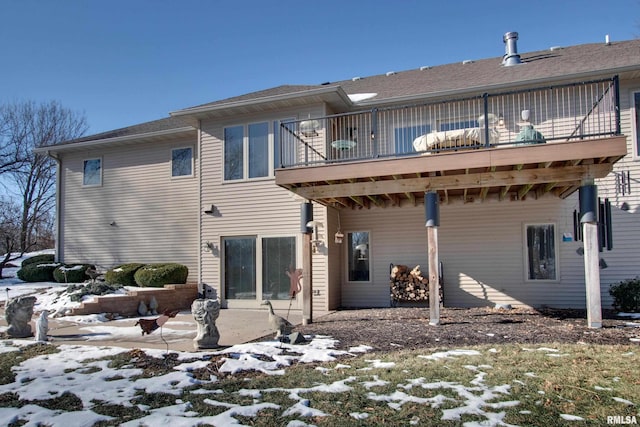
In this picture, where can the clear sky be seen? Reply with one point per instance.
(123, 62)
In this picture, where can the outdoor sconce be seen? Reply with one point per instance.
(210, 247)
(315, 241)
(211, 211)
(339, 237)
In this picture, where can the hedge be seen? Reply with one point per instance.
(37, 272)
(626, 295)
(39, 259)
(123, 274)
(158, 275)
(71, 273)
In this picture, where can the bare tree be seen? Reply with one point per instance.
(9, 233)
(29, 126)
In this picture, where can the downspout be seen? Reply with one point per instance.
(58, 232)
(200, 207)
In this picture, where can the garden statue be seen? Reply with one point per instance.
(153, 305)
(18, 313)
(142, 309)
(205, 312)
(42, 326)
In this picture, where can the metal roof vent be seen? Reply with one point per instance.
(511, 56)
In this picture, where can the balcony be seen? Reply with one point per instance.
(506, 145)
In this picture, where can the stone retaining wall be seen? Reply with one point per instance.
(172, 297)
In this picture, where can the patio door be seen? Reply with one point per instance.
(255, 269)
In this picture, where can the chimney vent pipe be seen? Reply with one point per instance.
(511, 56)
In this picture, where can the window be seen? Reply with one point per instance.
(182, 162)
(403, 137)
(278, 257)
(541, 252)
(92, 172)
(458, 125)
(240, 268)
(258, 266)
(358, 252)
(252, 151)
(258, 150)
(233, 153)
(636, 104)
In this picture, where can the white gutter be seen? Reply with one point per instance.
(117, 139)
(58, 232)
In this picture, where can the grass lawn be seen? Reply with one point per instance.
(550, 385)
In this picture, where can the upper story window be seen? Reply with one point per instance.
(636, 108)
(92, 172)
(251, 151)
(182, 162)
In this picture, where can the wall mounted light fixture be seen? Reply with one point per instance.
(315, 241)
(211, 211)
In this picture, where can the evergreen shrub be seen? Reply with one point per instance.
(626, 295)
(71, 273)
(158, 275)
(39, 259)
(37, 272)
(123, 274)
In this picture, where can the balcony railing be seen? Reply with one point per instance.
(578, 111)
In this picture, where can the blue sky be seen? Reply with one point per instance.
(123, 62)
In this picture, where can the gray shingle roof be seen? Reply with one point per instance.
(581, 60)
(568, 62)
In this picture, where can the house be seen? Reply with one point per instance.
(522, 166)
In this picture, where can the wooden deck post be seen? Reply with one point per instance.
(307, 284)
(432, 214)
(589, 219)
(306, 215)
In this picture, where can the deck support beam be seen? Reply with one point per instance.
(432, 215)
(306, 215)
(588, 195)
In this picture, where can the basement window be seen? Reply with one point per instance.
(359, 256)
(541, 260)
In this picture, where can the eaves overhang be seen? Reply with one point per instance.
(157, 136)
(333, 95)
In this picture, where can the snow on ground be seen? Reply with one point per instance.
(79, 370)
(83, 371)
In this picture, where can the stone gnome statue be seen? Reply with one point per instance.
(205, 312)
(42, 326)
(18, 313)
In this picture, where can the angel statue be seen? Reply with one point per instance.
(205, 312)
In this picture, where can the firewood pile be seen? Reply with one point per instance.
(409, 285)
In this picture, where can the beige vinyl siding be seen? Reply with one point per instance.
(623, 261)
(155, 216)
(482, 249)
(254, 207)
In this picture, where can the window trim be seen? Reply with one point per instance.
(347, 233)
(272, 149)
(525, 252)
(259, 262)
(84, 166)
(635, 123)
(192, 174)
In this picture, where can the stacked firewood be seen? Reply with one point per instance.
(408, 285)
